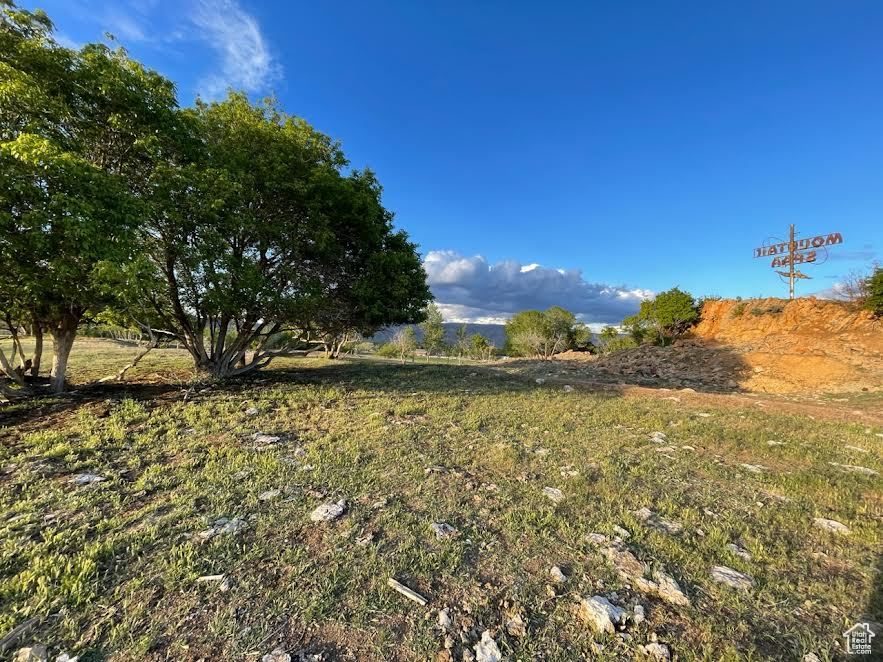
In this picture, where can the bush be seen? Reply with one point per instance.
(738, 310)
(664, 318)
(874, 299)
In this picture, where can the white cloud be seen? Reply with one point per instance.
(246, 61)
(469, 289)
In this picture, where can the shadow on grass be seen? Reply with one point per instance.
(608, 376)
(704, 366)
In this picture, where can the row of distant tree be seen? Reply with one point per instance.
(543, 334)
(231, 227)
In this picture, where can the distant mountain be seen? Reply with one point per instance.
(496, 333)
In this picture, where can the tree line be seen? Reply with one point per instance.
(229, 226)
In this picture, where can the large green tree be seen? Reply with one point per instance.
(542, 334)
(262, 231)
(666, 316)
(80, 130)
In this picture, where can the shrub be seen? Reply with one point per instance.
(874, 299)
(738, 310)
(667, 316)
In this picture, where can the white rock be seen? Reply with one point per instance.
(443, 530)
(741, 552)
(621, 532)
(251, 411)
(264, 439)
(557, 575)
(656, 651)
(554, 494)
(638, 615)
(64, 657)
(486, 650)
(328, 511)
(540, 381)
(811, 657)
(598, 612)
(35, 653)
(724, 575)
(276, 655)
(445, 622)
(597, 538)
(269, 494)
(658, 437)
(568, 388)
(854, 469)
(87, 478)
(830, 525)
(775, 443)
(753, 468)
(235, 525)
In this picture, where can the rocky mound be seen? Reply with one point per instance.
(764, 345)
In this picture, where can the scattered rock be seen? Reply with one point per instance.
(568, 471)
(554, 494)
(276, 655)
(621, 532)
(638, 614)
(856, 449)
(557, 575)
(223, 526)
(775, 443)
(811, 657)
(656, 651)
(753, 468)
(64, 657)
(741, 552)
(251, 411)
(732, 578)
(830, 525)
(443, 530)
(35, 653)
(445, 622)
(655, 521)
(269, 494)
(854, 469)
(486, 650)
(540, 381)
(703, 414)
(514, 623)
(328, 511)
(262, 439)
(631, 569)
(658, 437)
(435, 469)
(568, 388)
(225, 585)
(87, 479)
(367, 539)
(598, 612)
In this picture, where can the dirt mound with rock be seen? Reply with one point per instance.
(762, 345)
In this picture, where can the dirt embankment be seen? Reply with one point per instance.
(761, 345)
(801, 345)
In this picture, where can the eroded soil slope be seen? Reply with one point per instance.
(762, 345)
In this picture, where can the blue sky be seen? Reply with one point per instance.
(582, 153)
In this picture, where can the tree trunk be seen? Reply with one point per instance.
(38, 350)
(62, 341)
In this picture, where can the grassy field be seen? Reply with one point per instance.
(111, 569)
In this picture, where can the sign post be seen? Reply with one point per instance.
(797, 251)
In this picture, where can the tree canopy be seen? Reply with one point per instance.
(666, 316)
(226, 223)
(545, 333)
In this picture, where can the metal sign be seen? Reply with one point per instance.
(806, 251)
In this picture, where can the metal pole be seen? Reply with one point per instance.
(791, 247)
